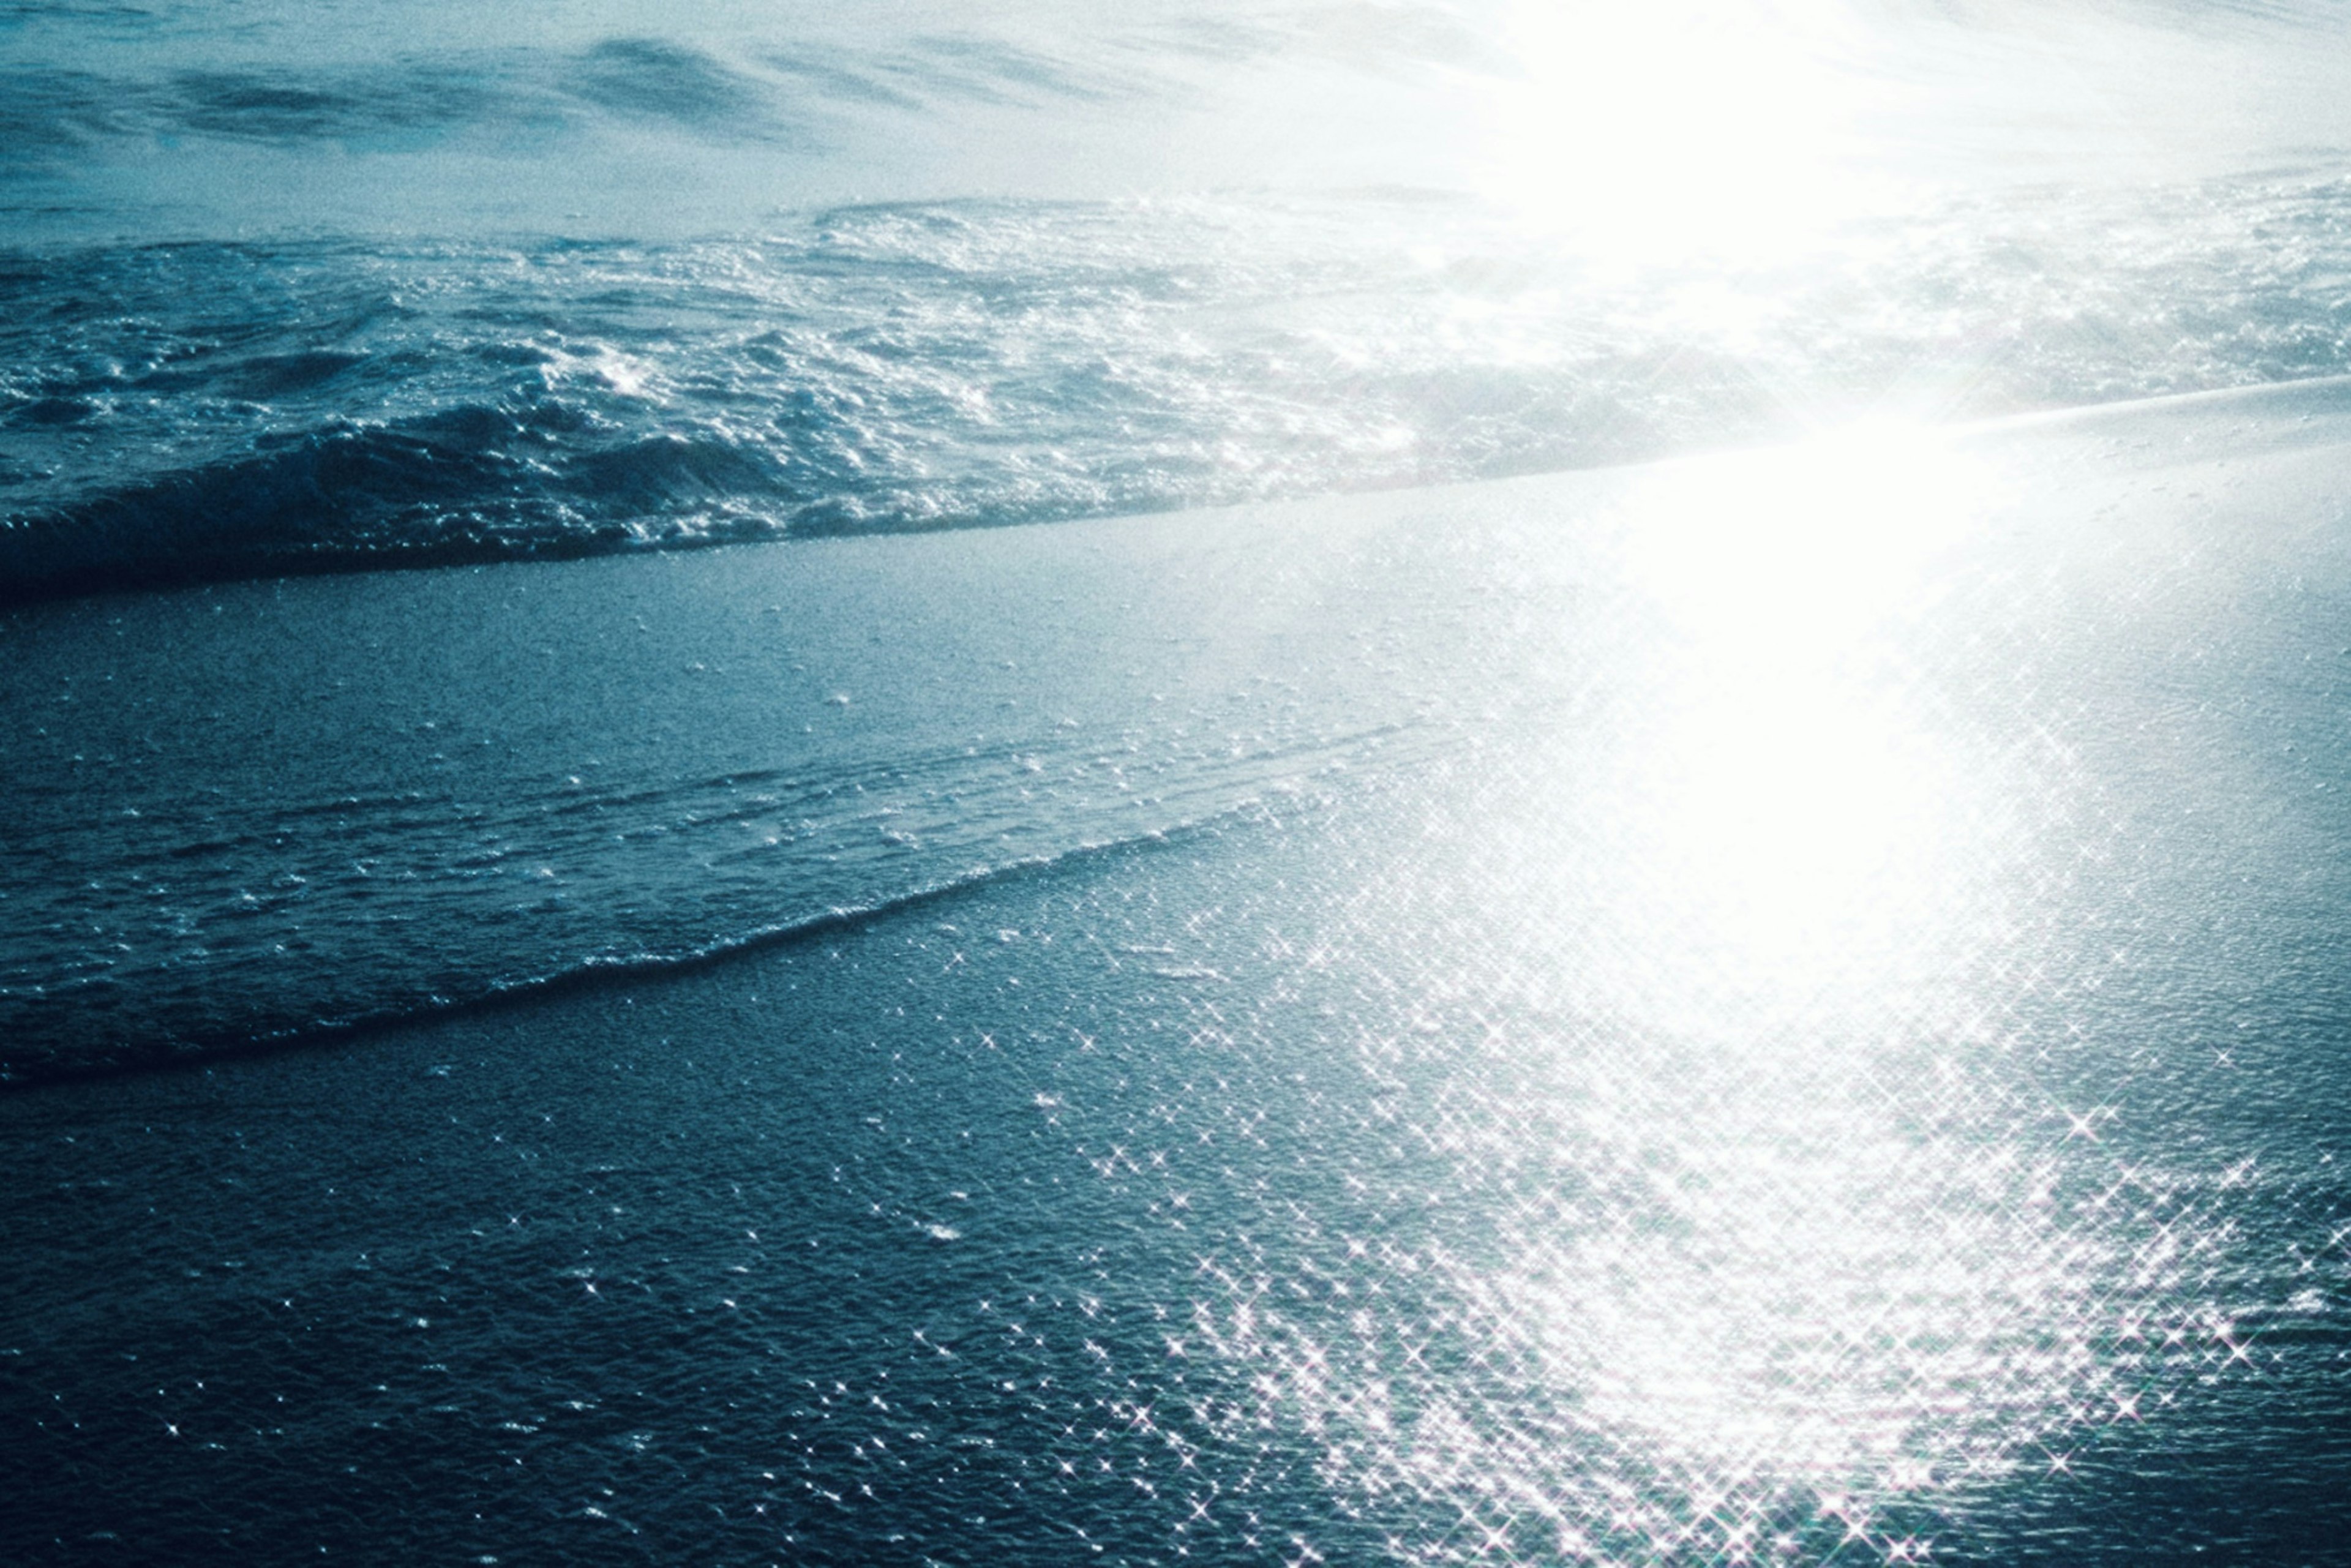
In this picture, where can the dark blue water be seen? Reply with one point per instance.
(1204, 1205)
(1783, 1009)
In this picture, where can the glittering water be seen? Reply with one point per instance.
(1770, 1008)
(1827, 1056)
(282, 298)
(210, 409)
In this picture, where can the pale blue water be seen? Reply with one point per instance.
(1785, 1011)
(290, 292)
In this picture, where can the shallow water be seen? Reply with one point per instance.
(1800, 1045)
(259, 809)
(1304, 1187)
(1780, 1006)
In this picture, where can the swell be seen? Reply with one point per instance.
(786, 94)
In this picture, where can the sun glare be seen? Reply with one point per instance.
(1659, 133)
(1786, 555)
(1797, 820)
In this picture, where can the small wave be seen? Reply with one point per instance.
(664, 80)
(71, 1059)
(208, 924)
(395, 102)
(467, 485)
(193, 412)
(277, 106)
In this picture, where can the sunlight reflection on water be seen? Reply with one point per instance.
(1773, 1244)
(1676, 1168)
(1815, 1023)
(1796, 822)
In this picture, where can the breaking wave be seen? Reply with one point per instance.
(207, 410)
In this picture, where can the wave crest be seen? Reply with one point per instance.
(211, 411)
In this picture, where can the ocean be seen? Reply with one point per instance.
(406, 287)
(1254, 782)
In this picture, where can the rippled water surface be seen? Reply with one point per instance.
(1778, 1005)
(1804, 1045)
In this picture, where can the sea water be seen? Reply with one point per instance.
(287, 293)
(1778, 1008)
